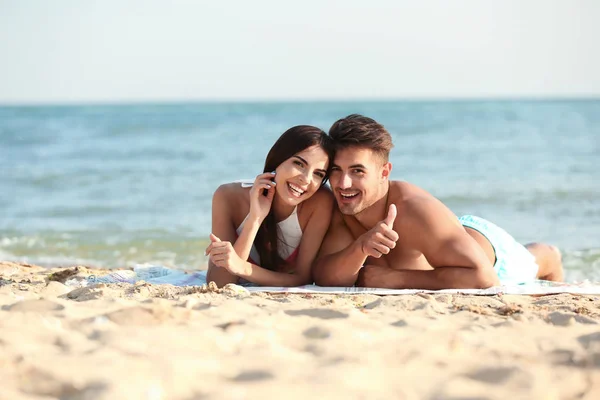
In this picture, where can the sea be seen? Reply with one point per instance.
(117, 185)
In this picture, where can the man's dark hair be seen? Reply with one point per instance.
(359, 131)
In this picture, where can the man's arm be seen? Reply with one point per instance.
(436, 279)
(340, 257)
(458, 260)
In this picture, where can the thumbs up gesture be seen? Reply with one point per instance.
(382, 238)
(391, 216)
(222, 254)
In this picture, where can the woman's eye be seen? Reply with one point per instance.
(320, 175)
(299, 163)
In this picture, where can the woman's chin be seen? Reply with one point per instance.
(290, 201)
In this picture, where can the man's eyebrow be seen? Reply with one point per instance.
(353, 166)
(358, 166)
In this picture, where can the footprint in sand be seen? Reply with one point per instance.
(591, 343)
(229, 324)
(373, 304)
(42, 383)
(322, 313)
(316, 332)
(87, 293)
(55, 289)
(510, 376)
(590, 340)
(253, 376)
(134, 316)
(566, 357)
(35, 306)
(559, 318)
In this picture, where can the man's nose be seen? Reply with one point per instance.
(345, 182)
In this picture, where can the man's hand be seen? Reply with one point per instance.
(373, 276)
(381, 239)
(223, 255)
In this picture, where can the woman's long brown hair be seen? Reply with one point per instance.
(293, 141)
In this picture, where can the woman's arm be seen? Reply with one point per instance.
(319, 208)
(260, 205)
(223, 227)
(228, 252)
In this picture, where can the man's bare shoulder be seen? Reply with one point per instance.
(403, 191)
(406, 195)
(416, 205)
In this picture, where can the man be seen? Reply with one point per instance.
(392, 234)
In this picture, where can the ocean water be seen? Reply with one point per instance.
(112, 186)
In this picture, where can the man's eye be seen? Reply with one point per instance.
(358, 171)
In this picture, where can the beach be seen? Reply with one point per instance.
(127, 137)
(148, 341)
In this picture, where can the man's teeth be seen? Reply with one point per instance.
(348, 195)
(296, 189)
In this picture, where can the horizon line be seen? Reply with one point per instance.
(232, 100)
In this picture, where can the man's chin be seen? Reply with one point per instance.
(348, 209)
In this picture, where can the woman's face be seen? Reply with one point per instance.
(301, 175)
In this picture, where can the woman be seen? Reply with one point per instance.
(278, 223)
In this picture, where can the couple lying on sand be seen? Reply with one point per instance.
(288, 229)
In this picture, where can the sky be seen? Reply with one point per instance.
(83, 51)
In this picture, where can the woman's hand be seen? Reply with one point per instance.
(259, 203)
(223, 255)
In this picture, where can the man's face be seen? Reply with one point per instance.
(358, 179)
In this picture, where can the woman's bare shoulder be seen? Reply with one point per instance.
(232, 194)
(233, 189)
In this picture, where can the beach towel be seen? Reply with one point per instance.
(158, 274)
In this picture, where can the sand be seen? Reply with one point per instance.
(147, 341)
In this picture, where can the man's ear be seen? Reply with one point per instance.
(386, 170)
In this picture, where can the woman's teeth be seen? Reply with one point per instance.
(295, 189)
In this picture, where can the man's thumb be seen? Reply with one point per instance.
(213, 238)
(391, 216)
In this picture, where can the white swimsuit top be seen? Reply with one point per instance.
(289, 234)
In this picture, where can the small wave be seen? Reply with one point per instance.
(582, 265)
(114, 251)
(533, 198)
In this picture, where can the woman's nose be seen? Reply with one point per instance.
(305, 177)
